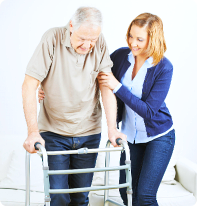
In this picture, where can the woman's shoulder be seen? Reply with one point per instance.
(123, 49)
(165, 63)
(119, 53)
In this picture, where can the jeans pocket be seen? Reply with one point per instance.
(168, 138)
(172, 137)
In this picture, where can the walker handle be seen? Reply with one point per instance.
(117, 141)
(35, 145)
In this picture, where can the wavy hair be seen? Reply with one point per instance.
(87, 15)
(154, 26)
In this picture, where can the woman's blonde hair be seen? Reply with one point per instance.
(154, 26)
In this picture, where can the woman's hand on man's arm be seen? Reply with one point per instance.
(107, 80)
(40, 94)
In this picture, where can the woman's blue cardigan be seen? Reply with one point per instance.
(151, 107)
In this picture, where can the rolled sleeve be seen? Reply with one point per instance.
(105, 63)
(41, 61)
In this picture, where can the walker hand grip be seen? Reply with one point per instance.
(117, 141)
(35, 145)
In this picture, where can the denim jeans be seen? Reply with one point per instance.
(55, 142)
(148, 164)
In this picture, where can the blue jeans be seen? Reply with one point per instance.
(148, 164)
(55, 142)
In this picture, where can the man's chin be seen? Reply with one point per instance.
(79, 51)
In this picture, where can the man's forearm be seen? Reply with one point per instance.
(29, 88)
(110, 106)
(30, 106)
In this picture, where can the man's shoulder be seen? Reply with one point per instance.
(53, 33)
(101, 41)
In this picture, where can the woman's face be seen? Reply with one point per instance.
(138, 41)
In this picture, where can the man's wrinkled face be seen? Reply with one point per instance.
(84, 38)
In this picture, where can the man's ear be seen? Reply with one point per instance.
(71, 26)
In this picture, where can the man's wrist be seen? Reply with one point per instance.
(33, 132)
(112, 129)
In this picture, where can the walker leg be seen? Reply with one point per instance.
(45, 174)
(47, 204)
(106, 192)
(129, 197)
(106, 204)
(106, 181)
(27, 173)
(128, 175)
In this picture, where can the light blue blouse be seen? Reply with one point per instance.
(133, 124)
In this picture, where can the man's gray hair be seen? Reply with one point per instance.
(89, 16)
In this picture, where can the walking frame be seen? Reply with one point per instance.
(46, 172)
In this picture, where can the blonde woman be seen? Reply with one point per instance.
(141, 80)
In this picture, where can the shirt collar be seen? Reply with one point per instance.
(149, 60)
(66, 37)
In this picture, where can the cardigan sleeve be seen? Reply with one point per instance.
(153, 101)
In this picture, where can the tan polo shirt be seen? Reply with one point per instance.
(71, 106)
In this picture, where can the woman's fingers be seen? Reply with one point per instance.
(40, 91)
(105, 75)
(41, 95)
(101, 81)
(102, 77)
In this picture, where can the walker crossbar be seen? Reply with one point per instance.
(87, 151)
(86, 189)
(46, 172)
(88, 170)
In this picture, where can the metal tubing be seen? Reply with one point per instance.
(47, 203)
(88, 170)
(42, 152)
(45, 173)
(129, 199)
(77, 152)
(106, 181)
(27, 179)
(128, 171)
(46, 183)
(126, 148)
(86, 189)
(114, 202)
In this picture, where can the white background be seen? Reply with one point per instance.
(23, 22)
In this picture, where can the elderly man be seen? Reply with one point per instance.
(66, 64)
